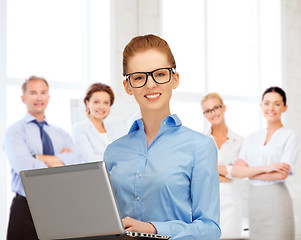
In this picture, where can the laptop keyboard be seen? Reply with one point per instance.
(146, 235)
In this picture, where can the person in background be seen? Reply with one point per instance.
(267, 158)
(93, 135)
(164, 175)
(33, 143)
(228, 144)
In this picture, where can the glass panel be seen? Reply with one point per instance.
(183, 29)
(232, 47)
(243, 117)
(45, 38)
(270, 43)
(100, 41)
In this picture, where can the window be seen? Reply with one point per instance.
(231, 47)
(67, 42)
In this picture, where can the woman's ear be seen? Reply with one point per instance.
(127, 87)
(225, 108)
(175, 80)
(285, 108)
(87, 107)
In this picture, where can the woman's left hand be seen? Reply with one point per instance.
(134, 225)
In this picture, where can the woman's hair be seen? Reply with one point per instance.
(31, 79)
(278, 90)
(142, 43)
(99, 87)
(210, 96)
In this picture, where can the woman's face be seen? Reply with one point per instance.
(214, 111)
(99, 105)
(273, 106)
(152, 96)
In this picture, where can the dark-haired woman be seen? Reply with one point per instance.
(267, 158)
(93, 135)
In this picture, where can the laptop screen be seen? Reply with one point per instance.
(72, 201)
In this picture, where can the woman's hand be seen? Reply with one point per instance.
(280, 167)
(240, 162)
(222, 170)
(133, 225)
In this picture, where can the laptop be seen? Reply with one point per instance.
(75, 202)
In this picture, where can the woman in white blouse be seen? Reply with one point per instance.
(267, 158)
(228, 144)
(93, 135)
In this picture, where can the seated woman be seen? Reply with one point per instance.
(93, 135)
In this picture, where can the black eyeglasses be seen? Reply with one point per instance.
(213, 109)
(160, 76)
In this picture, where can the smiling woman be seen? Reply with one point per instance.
(228, 144)
(160, 160)
(93, 135)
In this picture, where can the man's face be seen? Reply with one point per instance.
(36, 97)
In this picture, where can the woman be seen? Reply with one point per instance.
(93, 135)
(267, 157)
(228, 144)
(164, 175)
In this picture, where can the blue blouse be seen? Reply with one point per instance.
(173, 183)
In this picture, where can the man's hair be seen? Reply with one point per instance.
(31, 79)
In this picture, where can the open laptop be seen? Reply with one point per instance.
(75, 202)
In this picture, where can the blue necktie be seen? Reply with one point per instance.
(46, 141)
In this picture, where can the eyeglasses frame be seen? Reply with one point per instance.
(213, 109)
(170, 69)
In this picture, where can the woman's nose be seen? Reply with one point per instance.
(150, 82)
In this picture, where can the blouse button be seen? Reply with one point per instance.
(138, 198)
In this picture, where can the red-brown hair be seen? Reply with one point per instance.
(99, 87)
(143, 43)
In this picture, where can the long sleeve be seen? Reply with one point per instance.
(90, 145)
(67, 142)
(204, 197)
(22, 140)
(17, 150)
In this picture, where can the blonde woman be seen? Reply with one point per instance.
(228, 144)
